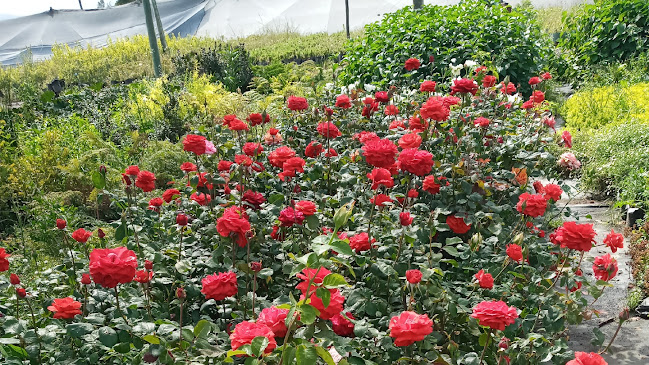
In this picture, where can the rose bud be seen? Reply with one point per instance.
(255, 266)
(85, 279)
(180, 293)
(504, 343)
(625, 314)
(21, 292)
(149, 358)
(181, 220)
(102, 170)
(100, 233)
(61, 223)
(14, 279)
(148, 265)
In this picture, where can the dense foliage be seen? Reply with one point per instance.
(441, 36)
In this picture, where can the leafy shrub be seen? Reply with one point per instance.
(607, 31)
(597, 107)
(289, 46)
(479, 30)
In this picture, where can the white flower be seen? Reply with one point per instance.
(470, 63)
(369, 87)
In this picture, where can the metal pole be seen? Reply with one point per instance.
(81, 6)
(347, 17)
(161, 31)
(153, 42)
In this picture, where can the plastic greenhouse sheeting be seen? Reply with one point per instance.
(32, 37)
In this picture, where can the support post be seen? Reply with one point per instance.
(161, 31)
(347, 17)
(153, 42)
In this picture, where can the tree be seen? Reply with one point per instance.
(101, 4)
(417, 4)
(123, 2)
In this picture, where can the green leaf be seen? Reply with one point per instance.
(98, 180)
(258, 345)
(451, 250)
(333, 281)
(312, 222)
(202, 329)
(306, 355)
(325, 355)
(342, 247)
(324, 295)
(308, 313)
(120, 232)
(107, 336)
(76, 330)
(152, 339)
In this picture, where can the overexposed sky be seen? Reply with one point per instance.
(28, 7)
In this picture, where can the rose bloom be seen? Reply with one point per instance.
(391, 110)
(508, 89)
(253, 149)
(274, 318)
(314, 149)
(81, 235)
(428, 86)
(605, 267)
(485, 280)
(365, 137)
(61, 223)
(246, 331)
(188, 167)
(405, 218)
(457, 224)
(343, 326)
(360, 242)
(489, 81)
(182, 220)
(430, 186)
(569, 161)
(328, 130)
(65, 308)
(515, 252)
(409, 327)
(145, 180)
(201, 198)
(297, 103)
(410, 140)
(220, 286)
(315, 276)
(481, 122)
(224, 165)
(14, 279)
(306, 207)
(550, 122)
(280, 155)
(85, 279)
(532, 205)
(289, 216)
(112, 266)
(546, 76)
(381, 97)
(380, 200)
(414, 276)
(614, 241)
(412, 64)
(369, 109)
(415, 124)
(567, 139)
(534, 80)
(528, 105)
(417, 162)
(435, 109)
(155, 203)
(234, 223)
(194, 143)
(380, 153)
(583, 358)
(169, 195)
(292, 166)
(132, 170)
(343, 101)
(143, 276)
(335, 304)
(255, 119)
(253, 198)
(575, 236)
(552, 191)
(381, 176)
(537, 96)
(495, 315)
(396, 124)
(464, 86)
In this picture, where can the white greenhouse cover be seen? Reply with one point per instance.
(33, 36)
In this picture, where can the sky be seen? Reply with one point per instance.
(28, 7)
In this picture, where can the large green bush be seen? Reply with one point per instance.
(479, 30)
(607, 31)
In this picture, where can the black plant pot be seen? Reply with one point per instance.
(633, 215)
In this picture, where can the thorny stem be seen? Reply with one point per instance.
(180, 324)
(40, 347)
(117, 305)
(613, 338)
(484, 350)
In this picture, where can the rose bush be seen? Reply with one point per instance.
(362, 250)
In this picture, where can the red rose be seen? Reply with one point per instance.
(464, 86)
(81, 235)
(582, 358)
(112, 266)
(369, 109)
(508, 89)
(255, 119)
(435, 109)
(85, 279)
(412, 64)
(515, 252)
(527, 105)
(328, 130)
(227, 119)
(297, 103)
(391, 110)
(360, 242)
(496, 315)
(428, 86)
(614, 241)
(395, 124)
(575, 236)
(238, 125)
(409, 327)
(552, 191)
(534, 80)
(148, 265)
(145, 180)
(155, 204)
(605, 267)
(291, 167)
(532, 205)
(65, 308)
(314, 149)
(143, 276)
(220, 286)
(242, 160)
(169, 195)
(335, 306)
(365, 137)
(381, 97)
(457, 224)
(546, 76)
(537, 97)
(14, 279)
(132, 170)
(194, 143)
(418, 162)
(306, 207)
(410, 140)
(253, 149)
(343, 101)
(289, 216)
(280, 155)
(61, 224)
(201, 198)
(381, 176)
(245, 332)
(315, 276)
(414, 276)
(489, 81)
(343, 326)
(21, 292)
(274, 318)
(430, 186)
(224, 165)
(234, 223)
(405, 218)
(481, 122)
(181, 220)
(380, 153)
(415, 124)
(485, 280)
(567, 139)
(253, 198)
(380, 200)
